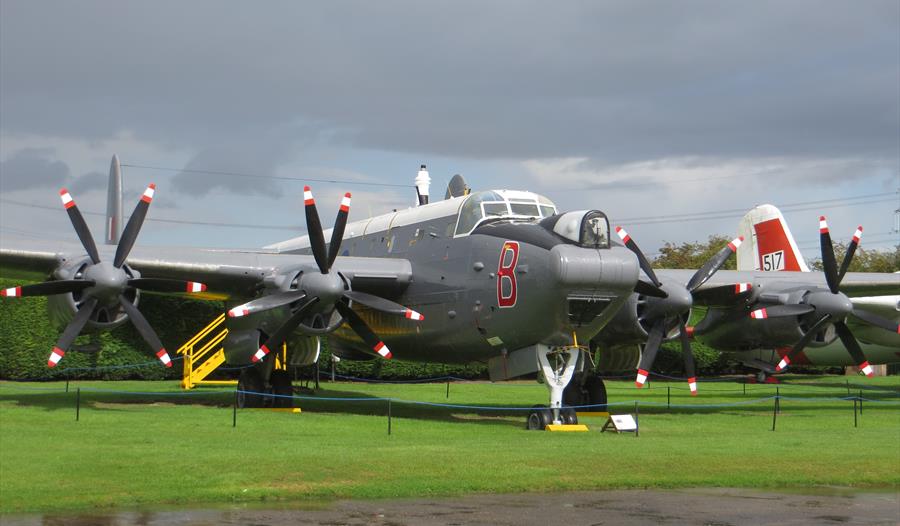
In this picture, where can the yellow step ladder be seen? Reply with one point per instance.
(204, 353)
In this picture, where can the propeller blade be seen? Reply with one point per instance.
(383, 305)
(876, 320)
(690, 366)
(848, 257)
(133, 228)
(363, 330)
(649, 289)
(81, 228)
(853, 348)
(146, 331)
(266, 302)
(73, 329)
(723, 295)
(314, 230)
(781, 311)
(654, 340)
(800, 345)
(714, 264)
(645, 265)
(47, 288)
(167, 285)
(337, 233)
(281, 334)
(829, 263)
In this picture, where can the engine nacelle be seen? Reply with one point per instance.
(61, 308)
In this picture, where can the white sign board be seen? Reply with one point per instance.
(623, 422)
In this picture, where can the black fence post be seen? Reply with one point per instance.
(448, 388)
(668, 397)
(234, 409)
(855, 424)
(67, 383)
(745, 388)
(78, 404)
(389, 417)
(860, 402)
(774, 413)
(637, 420)
(778, 400)
(317, 375)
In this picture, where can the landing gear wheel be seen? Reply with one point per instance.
(595, 390)
(282, 388)
(574, 394)
(539, 418)
(568, 416)
(250, 382)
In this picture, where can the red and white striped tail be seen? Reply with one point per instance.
(164, 358)
(742, 287)
(193, 287)
(735, 243)
(641, 378)
(759, 314)
(345, 202)
(823, 225)
(692, 384)
(413, 315)
(623, 235)
(867, 369)
(383, 350)
(238, 311)
(783, 364)
(148, 193)
(308, 197)
(66, 197)
(858, 234)
(55, 356)
(260, 354)
(12, 292)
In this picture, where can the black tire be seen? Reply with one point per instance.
(282, 388)
(573, 394)
(596, 393)
(250, 382)
(568, 416)
(538, 418)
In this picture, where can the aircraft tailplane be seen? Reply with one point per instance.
(768, 243)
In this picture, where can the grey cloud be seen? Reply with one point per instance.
(89, 182)
(616, 81)
(32, 168)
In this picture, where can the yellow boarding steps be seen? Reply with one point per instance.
(204, 353)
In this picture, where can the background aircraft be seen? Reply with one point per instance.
(498, 276)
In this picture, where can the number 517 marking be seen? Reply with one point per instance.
(773, 261)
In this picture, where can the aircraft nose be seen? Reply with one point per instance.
(614, 270)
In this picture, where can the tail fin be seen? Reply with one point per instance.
(114, 203)
(768, 243)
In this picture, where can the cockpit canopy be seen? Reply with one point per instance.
(587, 228)
(482, 206)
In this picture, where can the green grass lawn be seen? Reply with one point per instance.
(155, 449)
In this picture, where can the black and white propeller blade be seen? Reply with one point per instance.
(109, 283)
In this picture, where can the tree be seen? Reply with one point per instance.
(865, 260)
(692, 255)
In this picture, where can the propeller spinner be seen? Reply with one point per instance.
(104, 284)
(325, 291)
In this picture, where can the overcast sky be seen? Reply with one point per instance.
(651, 111)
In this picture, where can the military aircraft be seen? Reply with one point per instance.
(498, 276)
(771, 247)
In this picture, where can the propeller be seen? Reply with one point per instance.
(672, 309)
(829, 306)
(104, 284)
(324, 292)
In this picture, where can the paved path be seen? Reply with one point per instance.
(709, 507)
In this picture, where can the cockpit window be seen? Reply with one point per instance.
(587, 228)
(504, 203)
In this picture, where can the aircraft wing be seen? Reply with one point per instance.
(226, 272)
(854, 284)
